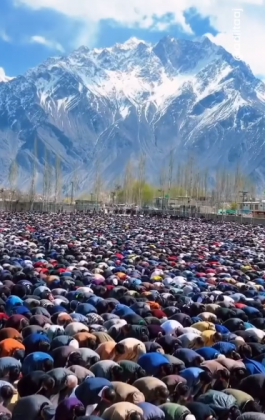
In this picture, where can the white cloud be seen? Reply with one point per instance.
(4, 36)
(250, 26)
(2, 73)
(37, 39)
(3, 76)
(123, 11)
(145, 13)
(87, 35)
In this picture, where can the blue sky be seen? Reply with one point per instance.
(32, 30)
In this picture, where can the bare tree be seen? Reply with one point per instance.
(179, 180)
(71, 188)
(33, 175)
(12, 175)
(12, 178)
(170, 171)
(163, 185)
(58, 180)
(128, 182)
(188, 175)
(45, 180)
(117, 192)
(205, 182)
(98, 181)
(50, 178)
(190, 170)
(239, 181)
(141, 177)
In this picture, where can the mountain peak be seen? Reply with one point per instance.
(3, 77)
(167, 39)
(131, 43)
(205, 40)
(82, 50)
(132, 98)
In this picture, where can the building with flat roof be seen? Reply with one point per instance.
(256, 208)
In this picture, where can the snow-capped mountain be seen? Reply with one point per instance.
(108, 105)
(3, 77)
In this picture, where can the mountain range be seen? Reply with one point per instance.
(105, 106)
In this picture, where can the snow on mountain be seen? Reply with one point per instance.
(3, 77)
(112, 104)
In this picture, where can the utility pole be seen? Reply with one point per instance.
(244, 195)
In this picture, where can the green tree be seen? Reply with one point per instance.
(147, 193)
(233, 206)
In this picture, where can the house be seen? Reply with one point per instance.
(256, 208)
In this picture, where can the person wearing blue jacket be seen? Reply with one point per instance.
(208, 353)
(85, 308)
(225, 348)
(253, 366)
(37, 361)
(155, 364)
(122, 310)
(151, 411)
(11, 303)
(198, 380)
(96, 394)
(221, 329)
(189, 357)
(36, 342)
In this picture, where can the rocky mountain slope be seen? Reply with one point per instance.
(109, 105)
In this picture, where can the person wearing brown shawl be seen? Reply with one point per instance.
(128, 393)
(154, 390)
(81, 372)
(133, 350)
(102, 337)
(177, 387)
(109, 349)
(85, 339)
(10, 332)
(123, 411)
(18, 322)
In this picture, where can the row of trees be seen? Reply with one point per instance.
(51, 179)
(174, 179)
(185, 179)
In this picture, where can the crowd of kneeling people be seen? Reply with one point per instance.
(112, 318)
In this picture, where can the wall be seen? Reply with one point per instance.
(215, 217)
(37, 206)
(68, 208)
(238, 219)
